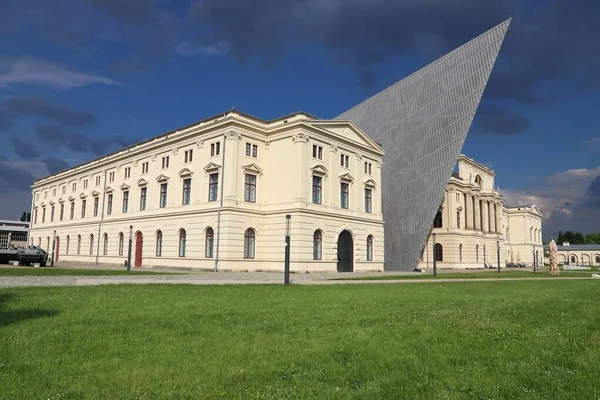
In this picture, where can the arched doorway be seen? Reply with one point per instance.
(57, 245)
(139, 245)
(345, 248)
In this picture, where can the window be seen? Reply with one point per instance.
(145, 167)
(62, 211)
(158, 243)
(255, 151)
(83, 208)
(249, 241)
(344, 160)
(317, 185)
(45, 195)
(143, 192)
(165, 162)
(368, 200)
(439, 252)
(370, 248)
(74, 187)
(43, 215)
(210, 239)
(188, 156)
(460, 258)
(163, 195)
(53, 192)
(182, 235)
(250, 188)
(597, 259)
(109, 204)
(368, 168)
(187, 187)
(47, 244)
(35, 213)
(213, 187)
(72, 213)
(105, 244)
(458, 219)
(96, 199)
(215, 149)
(52, 214)
(248, 149)
(91, 244)
(78, 244)
(344, 195)
(112, 174)
(64, 189)
(127, 172)
(121, 242)
(125, 200)
(317, 245)
(437, 222)
(317, 152)
(67, 247)
(85, 183)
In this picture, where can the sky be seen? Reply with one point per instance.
(79, 79)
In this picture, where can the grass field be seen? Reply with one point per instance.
(478, 275)
(473, 340)
(46, 271)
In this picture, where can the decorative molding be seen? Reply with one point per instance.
(233, 135)
(300, 137)
(162, 178)
(200, 144)
(82, 195)
(347, 177)
(71, 198)
(135, 163)
(51, 202)
(320, 170)
(124, 187)
(212, 167)
(175, 151)
(95, 193)
(358, 157)
(252, 168)
(370, 183)
(142, 182)
(267, 144)
(185, 172)
(108, 189)
(153, 157)
(334, 148)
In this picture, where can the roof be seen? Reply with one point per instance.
(578, 247)
(223, 114)
(7, 222)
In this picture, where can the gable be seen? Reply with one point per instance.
(347, 130)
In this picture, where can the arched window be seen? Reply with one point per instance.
(317, 245)
(460, 253)
(477, 253)
(439, 252)
(210, 241)
(370, 248)
(249, 242)
(597, 259)
(574, 259)
(182, 237)
(158, 243)
(91, 244)
(78, 244)
(121, 241)
(437, 222)
(105, 245)
(67, 247)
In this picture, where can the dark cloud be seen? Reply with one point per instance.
(128, 10)
(24, 149)
(498, 119)
(6, 119)
(14, 177)
(54, 165)
(78, 142)
(594, 190)
(39, 106)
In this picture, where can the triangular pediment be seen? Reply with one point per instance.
(347, 177)
(71, 198)
(252, 168)
(124, 187)
(212, 167)
(51, 202)
(348, 131)
(61, 200)
(162, 178)
(370, 183)
(95, 193)
(319, 170)
(142, 182)
(185, 172)
(109, 189)
(82, 195)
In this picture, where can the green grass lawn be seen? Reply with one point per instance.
(47, 271)
(461, 340)
(476, 275)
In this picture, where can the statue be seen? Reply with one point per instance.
(553, 256)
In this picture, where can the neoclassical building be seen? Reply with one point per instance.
(472, 223)
(215, 195)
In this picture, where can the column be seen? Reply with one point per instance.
(230, 173)
(485, 227)
(300, 159)
(477, 215)
(468, 211)
(499, 217)
(450, 209)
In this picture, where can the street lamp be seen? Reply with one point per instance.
(498, 254)
(129, 249)
(53, 247)
(534, 259)
(286, 277)
(434, 257)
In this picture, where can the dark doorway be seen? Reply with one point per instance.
(139, 245)
(345, 249)
(57, 249)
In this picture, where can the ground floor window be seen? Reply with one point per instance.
(317, 245)
(439, 252)
(249, 243)
(370, 248)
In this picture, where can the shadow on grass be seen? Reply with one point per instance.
(8, 317)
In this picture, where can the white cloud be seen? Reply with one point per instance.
(593, 144)
(30, 71)
(211, 49)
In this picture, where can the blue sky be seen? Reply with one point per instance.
(81, 79)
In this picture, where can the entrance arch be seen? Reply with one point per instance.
(345, 250)
(57, 247)
(139, 246)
